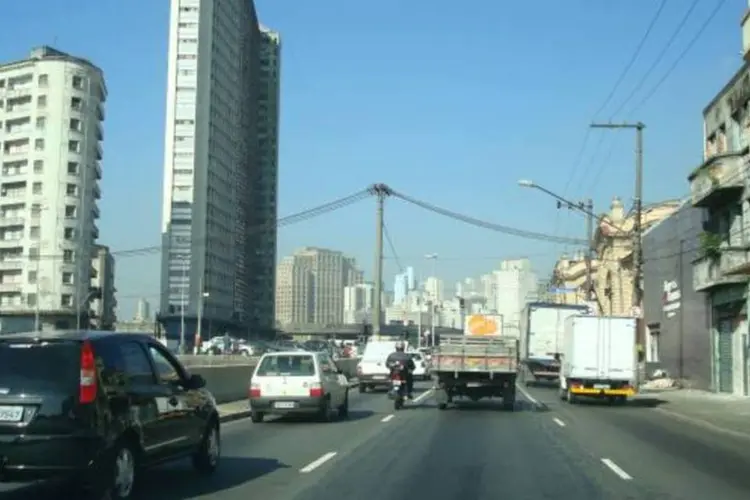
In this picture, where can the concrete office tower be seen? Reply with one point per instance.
(51, 110)
(265, 184)
(310, 286)
(217, 187)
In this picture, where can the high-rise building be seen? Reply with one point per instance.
(103, 307)
(142, 310)
(51, 111)
(359, 301)
(310, 286)
(403, 283)
(220, 169)
(264, 211)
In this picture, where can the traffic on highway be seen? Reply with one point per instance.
(125, 419)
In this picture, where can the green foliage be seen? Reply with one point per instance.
(710, 244)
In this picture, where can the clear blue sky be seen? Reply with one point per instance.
(450, 102)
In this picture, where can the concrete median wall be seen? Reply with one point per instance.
(229, 382)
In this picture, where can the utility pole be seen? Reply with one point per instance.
(637, 226)
(589, 249)
(681, 361)
(381, 191)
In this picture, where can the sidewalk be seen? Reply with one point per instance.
(719, 412)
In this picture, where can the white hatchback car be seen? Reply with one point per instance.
(298, 382)
(420, 370)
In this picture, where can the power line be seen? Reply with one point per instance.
(682, 55)
(281, 222)
(633, 57)
(618, 82)
(658, 59)
(392, 247)
(487, 225)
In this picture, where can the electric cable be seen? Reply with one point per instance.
(487, 225)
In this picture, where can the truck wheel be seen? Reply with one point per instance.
(442, 406)
(509, 399)
(362, 388)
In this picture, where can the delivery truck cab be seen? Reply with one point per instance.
(599, 359)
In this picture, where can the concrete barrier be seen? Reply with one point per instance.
(229, 382)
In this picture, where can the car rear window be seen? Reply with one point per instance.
(33, 366)
(286, 365)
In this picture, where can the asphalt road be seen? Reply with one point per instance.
(546, 449)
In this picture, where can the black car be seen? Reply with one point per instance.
(96, 407)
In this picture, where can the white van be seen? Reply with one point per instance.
(371, 370)
(298, 382)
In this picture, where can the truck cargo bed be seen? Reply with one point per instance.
(475, 354)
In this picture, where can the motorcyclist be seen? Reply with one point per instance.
(400, 356)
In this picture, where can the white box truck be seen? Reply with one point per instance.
(599, 358)
(542, 334)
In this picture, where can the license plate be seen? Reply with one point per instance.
(11, 413)
(473, 384)
(396, 383)
(378, 377)
(601, 386)
(284, 404)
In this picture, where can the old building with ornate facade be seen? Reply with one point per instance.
(613, 246)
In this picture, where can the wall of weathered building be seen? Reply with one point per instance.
(671, 307)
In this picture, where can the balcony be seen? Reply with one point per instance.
(719, 180)
(11, 265)
(726, 269)
(10, 287)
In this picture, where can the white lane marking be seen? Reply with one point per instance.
(387, 418)
(317, 463)
(558, 422)
(528, 396)
(423, 396)
(616, 469)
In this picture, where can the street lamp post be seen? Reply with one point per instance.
(587, 208)
(203, 295)
(183, 303)
(433, 306)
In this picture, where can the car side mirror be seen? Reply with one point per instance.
(196, 382)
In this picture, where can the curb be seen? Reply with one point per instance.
(231, 417)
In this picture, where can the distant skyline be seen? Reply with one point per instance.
(460, 139)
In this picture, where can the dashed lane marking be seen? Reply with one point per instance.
(387, 418)
(558, 421)
(317, 463)
(616, 469)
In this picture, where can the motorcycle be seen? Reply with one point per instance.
(398, 387)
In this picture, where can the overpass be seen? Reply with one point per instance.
(353, 331)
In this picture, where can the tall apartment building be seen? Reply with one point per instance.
(220, 165)
(104, 304)
(310, 286)
(51, 115)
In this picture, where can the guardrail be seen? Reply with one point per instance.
(220, 360)
(229, 381)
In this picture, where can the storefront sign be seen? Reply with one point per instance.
(671, 298)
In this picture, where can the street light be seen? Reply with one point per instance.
(433, 306)
(201, 298)
(526, 183)
(183, 302)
